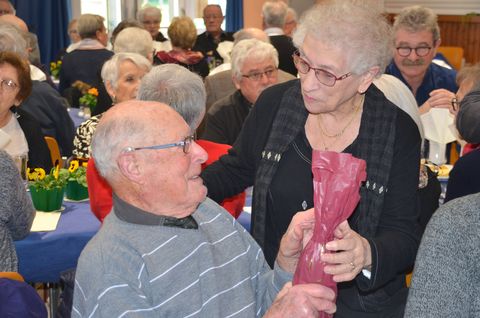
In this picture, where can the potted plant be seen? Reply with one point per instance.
(47, 190)
(77, 181)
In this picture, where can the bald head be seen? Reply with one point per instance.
(132, 124)
(14, 20)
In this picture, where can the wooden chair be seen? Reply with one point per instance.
(454, 55)
(54, 150)
(12, 275)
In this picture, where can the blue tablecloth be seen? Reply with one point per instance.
(42, 256)
(77, 120)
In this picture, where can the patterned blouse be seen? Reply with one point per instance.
(83, 137)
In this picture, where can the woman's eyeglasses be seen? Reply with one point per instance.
(8, 85)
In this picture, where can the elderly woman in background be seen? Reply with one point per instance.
(16, 212)
(122, 75)
(183, 33)
(20, 133)
(85, 62)
(150, 18)
(342, 46)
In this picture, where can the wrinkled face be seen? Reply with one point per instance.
(129, 77)
(152, 25)
(8, 89)
(414, 66)
(318, 97)
(249, 85)
(213, 19)
(173, 175)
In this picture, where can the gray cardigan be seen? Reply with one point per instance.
(446, 278)
(16, 212)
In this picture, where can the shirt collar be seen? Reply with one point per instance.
(131, 214)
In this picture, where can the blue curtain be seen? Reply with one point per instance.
(48, 19)
(234, 15)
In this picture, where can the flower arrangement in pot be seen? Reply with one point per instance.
(77, 181)
(47, 190)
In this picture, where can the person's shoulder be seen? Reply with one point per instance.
(209, 210)
(225, 104)
(6, 162)
(447, 74)
(469, 160)
(460, 212)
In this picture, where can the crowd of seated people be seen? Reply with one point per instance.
(259, 113)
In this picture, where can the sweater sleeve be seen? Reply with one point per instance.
(15, 203)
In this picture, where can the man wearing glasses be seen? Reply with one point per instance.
(254, 68)
(416, 39)
(166, 250)
(208, 41)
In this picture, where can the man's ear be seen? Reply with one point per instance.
(367, 79)
(129, 167)
(236, 82)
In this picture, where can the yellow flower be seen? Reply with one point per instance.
(57, 171)
(93, 91)
(73, 166)
(85, 164)
(39, 174)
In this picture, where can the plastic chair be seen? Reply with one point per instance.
(54, 151)
(454, 55)
(12, 275)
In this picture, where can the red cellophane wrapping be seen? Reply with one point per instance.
(336, 182)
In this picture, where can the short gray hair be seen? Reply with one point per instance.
(111, 68)
(134, 40)
(176, 86)
(89, 24)
(355, 27)
(149, 11)
(250, 33)
(109, 140)
(12, 40)
(417, 18)
(469, 73)
(293, 13)
(274, 13)
(251, 48)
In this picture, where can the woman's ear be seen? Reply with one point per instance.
(111, 92)
(367, 79)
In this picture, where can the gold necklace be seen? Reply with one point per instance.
(339, 134)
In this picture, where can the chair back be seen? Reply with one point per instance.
(454, 55)
(54, 150)
(12, 275)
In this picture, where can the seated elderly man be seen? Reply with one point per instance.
(254, 68)
(166, 250)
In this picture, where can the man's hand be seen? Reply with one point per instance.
(439, 98)
(351, 254)
(294, 240)
(302, 301)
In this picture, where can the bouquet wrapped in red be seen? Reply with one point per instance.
(336, 182)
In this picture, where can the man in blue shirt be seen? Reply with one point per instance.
(417, 37)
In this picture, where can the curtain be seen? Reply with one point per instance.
(48, 19)
(234, 15)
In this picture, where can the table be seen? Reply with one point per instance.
(77, 120)
(42, 256)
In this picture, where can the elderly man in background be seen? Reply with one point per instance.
(290, 22)
(254, 68)
(167, 250)
(274, 14)
(208, 41)
(6, 7)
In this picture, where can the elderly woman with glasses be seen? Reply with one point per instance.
(342, 47)
(20, 133)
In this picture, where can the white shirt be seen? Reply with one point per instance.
(16, 144)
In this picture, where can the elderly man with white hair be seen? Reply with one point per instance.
(254, 68)
(166, 250)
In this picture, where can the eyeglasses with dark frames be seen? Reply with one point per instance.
(258, 75)
(420, 51)
(8, 85)
(185, 144)
(323, 76)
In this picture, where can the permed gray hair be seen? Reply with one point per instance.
(355, 27)
(111, 68)
(251, 49)
(274, 13)
(417, 18)
(469, 73)
(149, 11)
(134, 40)
(176, 86)
(89, 24)
(12, 40)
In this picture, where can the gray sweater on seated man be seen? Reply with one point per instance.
(172, 269)
(446, 278)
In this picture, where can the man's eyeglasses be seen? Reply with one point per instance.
(212, 16)
(8, 85)
(420, 51)
(258, 75)
(148, 22)
(185, 144)
(323, 76)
